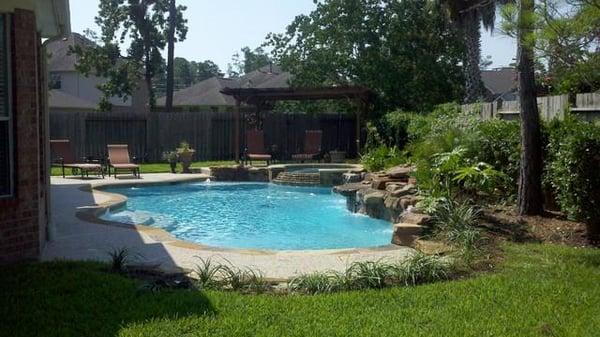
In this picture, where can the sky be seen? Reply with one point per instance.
(219, 29)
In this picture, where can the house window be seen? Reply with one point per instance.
(6, 129)
(55, 81)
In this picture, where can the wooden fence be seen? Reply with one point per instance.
(587, 107)
(210, 133)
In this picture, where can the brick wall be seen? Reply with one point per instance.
(22, 218)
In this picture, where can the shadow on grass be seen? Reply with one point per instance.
(85, 299)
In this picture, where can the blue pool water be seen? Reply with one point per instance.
(252, 215)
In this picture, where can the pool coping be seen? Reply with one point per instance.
(115, 201)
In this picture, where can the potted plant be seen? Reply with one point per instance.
(185, 154)
(171, 158)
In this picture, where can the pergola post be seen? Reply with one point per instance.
(237, 129)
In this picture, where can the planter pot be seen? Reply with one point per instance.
(185, 157)
(173, 167)
(337, 156)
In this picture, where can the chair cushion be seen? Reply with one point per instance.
(85, 166)
(304, 156)
(259, 156)
(125, 166)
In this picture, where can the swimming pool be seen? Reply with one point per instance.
(251, 215)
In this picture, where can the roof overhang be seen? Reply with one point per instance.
(254, 95)
(52, 16)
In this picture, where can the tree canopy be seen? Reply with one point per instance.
(250, 60)
(407, 51)
(566, 40)
(144, 23)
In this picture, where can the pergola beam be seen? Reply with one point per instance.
(258, 96)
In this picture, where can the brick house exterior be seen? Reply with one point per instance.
(24, 203)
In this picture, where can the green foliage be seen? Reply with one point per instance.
(497, 142)
(480, 177)
(566, 39)
(417, 269)
(557, 285)
(170, 156)
(207, 273)
(456, 222)
(401, 128)
(142, 22)
(406, 51)
(120, 258)
(382, 157)
(314, 283)
(572, 169)
(249, 61)
(421, 268)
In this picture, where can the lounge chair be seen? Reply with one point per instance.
(312, 146)
(63, 156)
(255, 147)
(118, 159)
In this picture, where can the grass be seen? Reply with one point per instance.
(159, 167)
(540, 290)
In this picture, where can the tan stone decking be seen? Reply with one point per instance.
(76, 234)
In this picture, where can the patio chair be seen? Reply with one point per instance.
(118, 159)
(63, 156)
(312, 146)
(255, 147)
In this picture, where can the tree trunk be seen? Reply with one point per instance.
(170, 55)
(530, 179)
(472, 73)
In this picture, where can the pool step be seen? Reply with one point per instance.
(298, 178)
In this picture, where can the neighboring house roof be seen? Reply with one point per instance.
(60, 99)
(208, 92)
(60, 59)
(499, 81)
(52, 17)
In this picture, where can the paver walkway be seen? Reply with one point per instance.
(76, 239)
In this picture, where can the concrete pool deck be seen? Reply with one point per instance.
(74, 235)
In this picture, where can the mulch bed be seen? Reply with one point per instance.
(505, 223)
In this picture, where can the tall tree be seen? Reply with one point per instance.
(144, 23)
(520, 21)
(250, 60)
(469, 14)
(204, 70)
(176, 24)
(406, 51)
(531, 197)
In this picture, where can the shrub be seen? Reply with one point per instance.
(497, 142)
(456, 222)
(421, 268)
(208, 273)
(120, 258)
(246, 280)
(480, 177)
(368, 274)
(572, 170)
(314, 283)
(401, 128)
(382, 157)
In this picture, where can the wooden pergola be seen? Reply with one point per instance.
(264, 97)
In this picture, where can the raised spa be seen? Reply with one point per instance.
(251, 215)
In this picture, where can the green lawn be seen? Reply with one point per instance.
(160, 167)
(540, 290)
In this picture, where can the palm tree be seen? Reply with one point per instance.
(469, 15)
